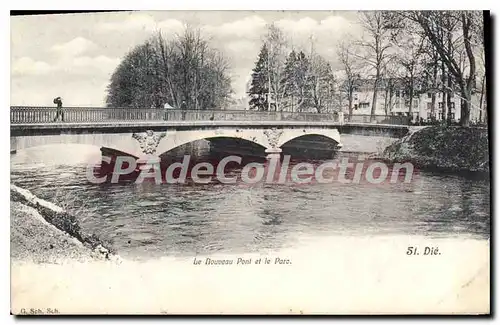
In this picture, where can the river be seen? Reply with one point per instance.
(144, 221)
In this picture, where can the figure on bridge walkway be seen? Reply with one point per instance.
(59, 112)
(183, 108)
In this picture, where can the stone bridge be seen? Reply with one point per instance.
(147, 132)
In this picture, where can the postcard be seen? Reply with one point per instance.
(250, 162)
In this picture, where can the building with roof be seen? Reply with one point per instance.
(393, 99)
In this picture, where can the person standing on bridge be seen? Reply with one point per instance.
(59, 112)
(183, 109)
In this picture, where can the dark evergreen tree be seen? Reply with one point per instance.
(297, 81)
(302, 80)
(289, 82)
(259, 88)
(322, 83)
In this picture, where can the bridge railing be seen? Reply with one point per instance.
(241, 115)
(26, 114)
(29, 115)
(379, 119)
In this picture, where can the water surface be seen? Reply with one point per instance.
(148, 220)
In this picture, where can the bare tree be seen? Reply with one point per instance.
(458, 39)
(322, 83)
(391, 85)
(374, 47)
(417, 62)
(351, 73)
(276, 44)
(478, 38)
(192, 49)
(409, 57)
(166, 69)
(184, 68)
(430, 65)
(482, 110)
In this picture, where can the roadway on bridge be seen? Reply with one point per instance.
(118, 124)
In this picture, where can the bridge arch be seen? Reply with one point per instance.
(117, 141)
(176, 139)
(165, 139)
(294, 134)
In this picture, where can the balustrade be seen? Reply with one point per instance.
(32, 115)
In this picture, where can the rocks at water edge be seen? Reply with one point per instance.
(43, 231)
(453, 149)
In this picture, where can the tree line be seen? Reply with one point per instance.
(290, 81)
(184, 72)
(434, 52)
(440, 53)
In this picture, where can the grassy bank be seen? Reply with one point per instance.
(443, 148)
(44, 232)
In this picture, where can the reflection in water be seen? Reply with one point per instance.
(145, 220)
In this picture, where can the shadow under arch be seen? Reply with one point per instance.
(311, 146)
(213, 150)
(216, 146)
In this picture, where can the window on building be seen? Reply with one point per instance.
(364, 105)
(429, 106)
(452, 105)
(356, 106)
(429, 95)
(440, 105)
(452, 115)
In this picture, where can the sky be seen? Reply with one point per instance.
(74, 55)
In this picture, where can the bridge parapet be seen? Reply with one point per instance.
(32, 115)
(379, 119)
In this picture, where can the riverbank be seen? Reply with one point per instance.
(454, 149)
(43, 232)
